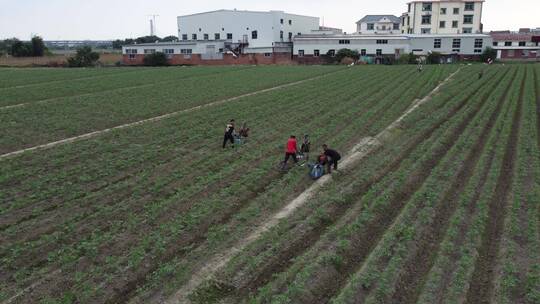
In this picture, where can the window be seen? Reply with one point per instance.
(194, 37)
(300, 53)
(370, 26)
(456, 43)
(402, 21)
(149, 51)
(363, 52)
(290, 22)
(426, 7)
(383, 27)
(442, 24)
(267, 54)
(456, 10)
(408, 20)
(522, 43)
(299, 34)
(316, 53)
(345, 41)
(409, 8)
(281, 34)
(396, 26)
(281, 21)
(382, 41)
(437, 43)
(467, 30)
(478, 50)
(186, 51)
(290, 36)
(495, 43)
(168, 51)
(131, 51)
(510, 53)
(205, 37)
(454, 24)
(467, 19)
(229, 36)
(254, 35)
(426, 19)
(184, 36)
(443, 10)
(217, 36)
(478, 43)
(379, 52)
(426, 31)
(221, 50)
(132, 56)
(508, 43)
(456, 50)
(331, 53)
(525, 53)
(469, 6)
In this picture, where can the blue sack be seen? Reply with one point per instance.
(316, 171)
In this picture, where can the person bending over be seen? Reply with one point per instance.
(332, 158)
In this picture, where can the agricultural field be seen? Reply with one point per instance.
(114, 187)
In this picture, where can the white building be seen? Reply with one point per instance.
(378, 24)
(257, 32)
(443, 17)
(379, 46)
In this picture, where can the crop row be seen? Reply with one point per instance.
(48, 92)
(285, 102)
(41, 123)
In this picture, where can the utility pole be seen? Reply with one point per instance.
(153, 27)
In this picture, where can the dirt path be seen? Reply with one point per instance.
(481, 287)
(157, 118)
(362, 149)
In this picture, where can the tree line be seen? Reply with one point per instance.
(117, 44)
(17, 48)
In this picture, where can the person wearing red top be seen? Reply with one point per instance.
(291, 149)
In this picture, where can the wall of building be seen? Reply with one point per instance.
(416, 14)
(241, 24)
(226, 59)
(357, 42)
(423, 44)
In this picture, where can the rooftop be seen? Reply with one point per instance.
(376, 18)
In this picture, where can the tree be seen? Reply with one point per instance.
(21, 49)
(343, 53)
(38, 47)
(169, 39)
(147, 39)
(85, 57)
(156, 59)
(489, 53)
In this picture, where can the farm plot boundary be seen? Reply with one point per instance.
(361, 150)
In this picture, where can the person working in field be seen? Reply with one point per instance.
(229, 131)
(291, 149)
(332, 158)
(244, 132)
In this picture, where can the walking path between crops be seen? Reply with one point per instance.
(158, 118)
(361, 149)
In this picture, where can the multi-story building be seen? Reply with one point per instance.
(378, 24)
(231, 37)
(258, 31)
(443, 17)
(522, 45)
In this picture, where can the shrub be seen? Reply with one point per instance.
(489, 53)
(156, 59)
(343, 53)
(84, 57)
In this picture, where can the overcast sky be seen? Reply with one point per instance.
(112, 19)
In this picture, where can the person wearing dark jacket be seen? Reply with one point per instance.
(332, 157)
(229, 131)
